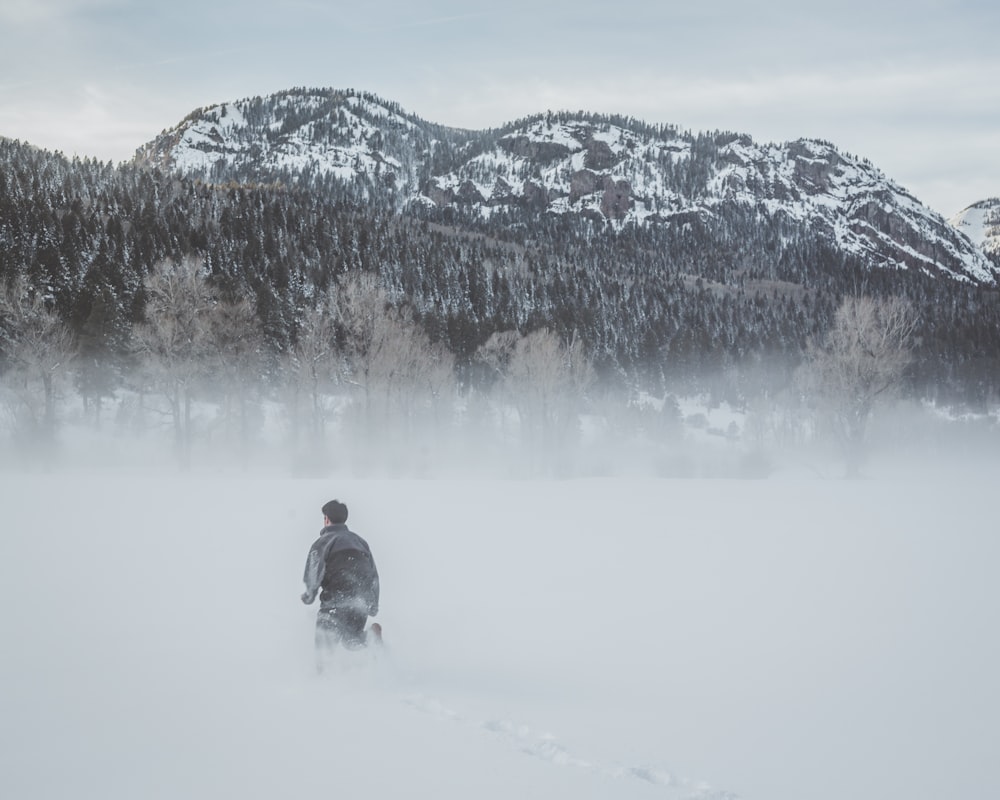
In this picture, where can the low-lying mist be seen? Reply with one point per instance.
(660, 437)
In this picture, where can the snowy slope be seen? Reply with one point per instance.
(346, 150)
(981, 223)
(306, 134)
(571, 165)
(585, 639)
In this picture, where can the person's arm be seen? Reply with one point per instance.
(373, 592)
(315, 567)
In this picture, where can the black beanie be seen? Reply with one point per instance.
(335, 511)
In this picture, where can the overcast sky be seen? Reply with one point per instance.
(912, 86)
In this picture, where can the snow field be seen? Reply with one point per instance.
(590, 638)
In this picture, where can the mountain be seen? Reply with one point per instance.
(980, 222)
(609, 171)
(303, 137)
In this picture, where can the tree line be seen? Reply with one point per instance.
(364, 367)
(359, 363)
(706, 306)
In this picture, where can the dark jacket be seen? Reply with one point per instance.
(341, 569)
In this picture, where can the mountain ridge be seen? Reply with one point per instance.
(607, 169)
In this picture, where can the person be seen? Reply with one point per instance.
(341, 570)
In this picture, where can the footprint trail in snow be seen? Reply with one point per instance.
(546, 747)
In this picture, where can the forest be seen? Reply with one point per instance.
(128, 282)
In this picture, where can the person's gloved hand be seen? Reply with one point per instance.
(308, 598)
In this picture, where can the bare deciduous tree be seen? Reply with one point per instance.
(363, 311)
(544, 380)
(311, 371)
(861, 362)
(38, 349)
(236, 360)
(173, 341)
(393, 362)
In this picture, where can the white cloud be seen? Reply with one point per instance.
(92, 122)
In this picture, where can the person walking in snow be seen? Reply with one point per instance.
(340, 568)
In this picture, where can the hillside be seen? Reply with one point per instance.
(605, 169)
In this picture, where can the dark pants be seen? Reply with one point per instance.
(341, 625)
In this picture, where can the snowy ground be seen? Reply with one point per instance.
(777, 640)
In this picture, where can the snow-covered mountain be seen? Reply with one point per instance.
(612, 170)
(299, 136)
(980, 222)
